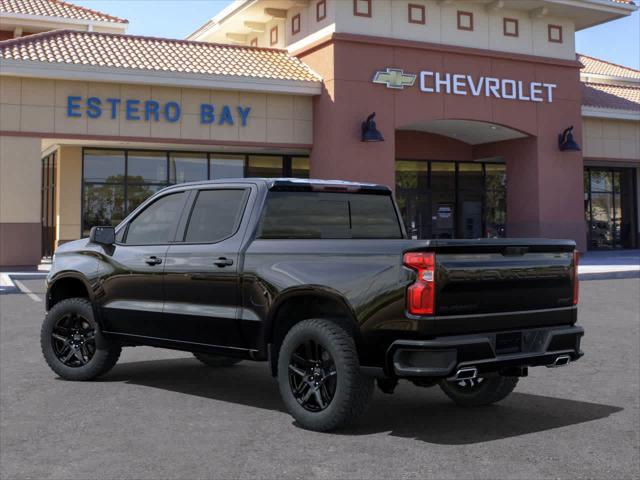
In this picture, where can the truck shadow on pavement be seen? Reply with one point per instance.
(411, 412)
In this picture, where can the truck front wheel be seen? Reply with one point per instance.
(479, 391)
(319, 376)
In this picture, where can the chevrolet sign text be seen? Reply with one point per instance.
(459, 84)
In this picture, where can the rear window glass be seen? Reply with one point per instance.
(329, 215)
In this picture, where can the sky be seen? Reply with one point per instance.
(617, 42)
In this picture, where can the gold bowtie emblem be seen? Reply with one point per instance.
(394, 78)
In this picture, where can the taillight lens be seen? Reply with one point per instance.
(421, 294)
(576, 283)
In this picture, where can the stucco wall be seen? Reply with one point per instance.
(611, 139)
(19, 200)
(68, 193)
(40, 106)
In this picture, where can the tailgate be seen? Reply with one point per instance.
(502, 275)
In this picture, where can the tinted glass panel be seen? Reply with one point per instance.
(300, 167)
(215, 215)
(264, 166)
(495, 200)
(156, 224)
(147, 167)
(102, 205)
(103, 166)
(413, 197)
(328, 215)
(226, 166)
(187, 167)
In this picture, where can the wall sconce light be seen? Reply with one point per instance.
(566, 143)
(369, 131)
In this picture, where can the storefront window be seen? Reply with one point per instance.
(264, 166)
(451, 199)
(412, 195)
(226, 166)
(495, 203)
(300, 167)
(147, 167)
(610, 207)
(115, 182)
(187, 167)
(103, 165)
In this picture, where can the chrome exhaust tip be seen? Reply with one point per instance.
(560, 361)
(466, 373)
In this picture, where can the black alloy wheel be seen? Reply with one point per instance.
(74, 340)
(312, 376)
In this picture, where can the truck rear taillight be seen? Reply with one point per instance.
(421, 294)
(576, 283)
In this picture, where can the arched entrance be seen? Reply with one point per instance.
(449, 184)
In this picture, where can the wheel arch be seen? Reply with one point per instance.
(298, 304)
(67, 285)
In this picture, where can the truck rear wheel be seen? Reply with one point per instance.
(319, 376)
(216, 360)
(479, 391)
(72, 343)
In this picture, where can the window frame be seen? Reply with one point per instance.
(273, 41)
(551, 27)
(462, 13)
(296, 23)
(322, 4)
(515, 22)
(420, 8)
(126, 222)
(181, 233)
(367, 14)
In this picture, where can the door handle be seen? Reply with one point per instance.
(153, 260)
(223, 262)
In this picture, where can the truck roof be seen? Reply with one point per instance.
(296, 184)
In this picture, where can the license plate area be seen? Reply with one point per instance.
(510, 342)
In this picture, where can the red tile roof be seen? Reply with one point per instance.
(602, 67)
(56, 8)
(611, 96)
(157, 54)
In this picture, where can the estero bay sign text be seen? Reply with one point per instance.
(153, 111)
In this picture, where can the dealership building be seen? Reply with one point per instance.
(487, 122)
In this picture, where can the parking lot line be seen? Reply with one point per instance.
(21, 286)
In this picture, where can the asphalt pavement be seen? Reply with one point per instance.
(161, 414)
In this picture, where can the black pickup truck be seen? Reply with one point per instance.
(319, 279)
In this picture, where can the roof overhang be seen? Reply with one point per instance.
(610, 113)
(43, 23)
(65, 71)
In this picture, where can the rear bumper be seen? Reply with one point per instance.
(488, 352)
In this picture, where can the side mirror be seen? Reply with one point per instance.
(103, 235)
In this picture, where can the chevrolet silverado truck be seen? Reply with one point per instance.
(319, 279)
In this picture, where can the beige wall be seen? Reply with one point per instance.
(68, 193)
(19, 179)
(608, 138)
(19, 200)
(34, 105)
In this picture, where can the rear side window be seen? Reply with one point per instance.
(157, 223)
(329, 215)
(216, 215)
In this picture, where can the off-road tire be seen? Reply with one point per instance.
(216, 360)
(106, 352)
(491, 390)
(353, 390)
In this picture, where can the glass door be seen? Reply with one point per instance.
(47, 205)
(610, 209)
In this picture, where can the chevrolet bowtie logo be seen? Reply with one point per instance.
(395, 78)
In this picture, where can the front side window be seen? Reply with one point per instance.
(215, 215)
(156, 224)
(329, 216)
